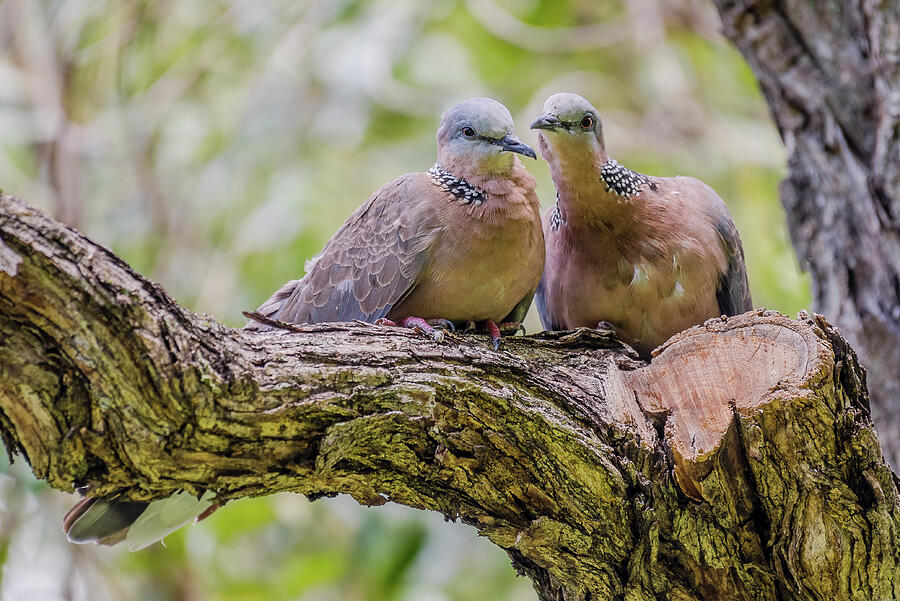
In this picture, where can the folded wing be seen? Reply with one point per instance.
(371, 263)
(733, 292)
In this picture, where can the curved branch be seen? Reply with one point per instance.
(740, 463)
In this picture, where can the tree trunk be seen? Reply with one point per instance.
(740, 463)
(831, 74)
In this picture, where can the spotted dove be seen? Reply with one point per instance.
(460, 243)
(651, 256)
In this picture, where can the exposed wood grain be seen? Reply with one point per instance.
(700, 380)
(108, 385)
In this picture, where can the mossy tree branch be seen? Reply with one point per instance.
(740, 463)
(830, 72)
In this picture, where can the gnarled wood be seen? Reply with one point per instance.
(830, 72)
(740, 463)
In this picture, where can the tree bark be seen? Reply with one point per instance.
(830, 72)
(740, 463)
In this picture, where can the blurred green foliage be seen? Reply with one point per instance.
(216, 145)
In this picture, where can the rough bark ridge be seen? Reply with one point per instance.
(739, 464)
(831, 74)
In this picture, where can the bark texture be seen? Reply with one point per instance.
(831, 74)
(740, 463)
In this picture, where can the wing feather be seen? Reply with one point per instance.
(733, 293)
(733, 290)
(372, 262)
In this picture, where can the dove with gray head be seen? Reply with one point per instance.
(651, 256)
(459, 243)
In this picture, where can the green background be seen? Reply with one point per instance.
(216, 145)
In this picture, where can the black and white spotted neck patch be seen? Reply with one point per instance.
(622, 180)
(556, 217)
(462, 190)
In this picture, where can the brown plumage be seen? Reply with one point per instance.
(462, 242)
(650, 255)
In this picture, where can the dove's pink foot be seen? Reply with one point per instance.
(416, 324)
(493, 329)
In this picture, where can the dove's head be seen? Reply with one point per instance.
(477, 137)
(569, 125)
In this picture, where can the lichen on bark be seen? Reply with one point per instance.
(580, 460)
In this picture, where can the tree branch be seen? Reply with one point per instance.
(831, 76)
(740, 463)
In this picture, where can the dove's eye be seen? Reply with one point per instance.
(468, 132)
(587, 122)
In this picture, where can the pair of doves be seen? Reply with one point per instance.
(465, 245)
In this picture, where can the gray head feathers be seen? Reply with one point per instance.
(486, 116)
(569, 107)
(476, 138)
